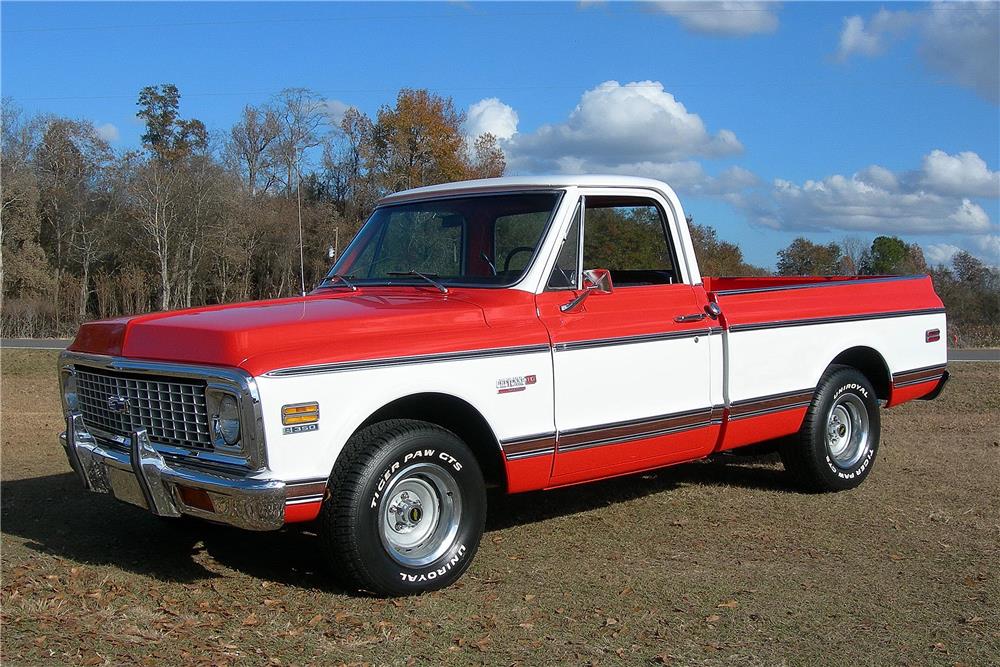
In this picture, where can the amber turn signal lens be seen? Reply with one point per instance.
(300, 413)
(196, 498)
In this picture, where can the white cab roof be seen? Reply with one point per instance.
(508, 183)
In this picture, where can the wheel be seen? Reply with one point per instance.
(406, 509)
(837, 444)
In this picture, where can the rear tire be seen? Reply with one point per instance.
(836, 447)
(406, 510)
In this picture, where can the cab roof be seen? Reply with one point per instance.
(508, 183)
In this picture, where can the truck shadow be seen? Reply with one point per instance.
(55, 516)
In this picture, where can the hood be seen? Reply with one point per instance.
(322, 328)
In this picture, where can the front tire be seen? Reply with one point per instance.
(838, 442)
(406, 509)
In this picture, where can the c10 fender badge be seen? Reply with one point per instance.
(301, 428)
(517, 383)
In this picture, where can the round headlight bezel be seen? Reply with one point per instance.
(227, 420)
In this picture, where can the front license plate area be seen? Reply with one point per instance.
(126, 487)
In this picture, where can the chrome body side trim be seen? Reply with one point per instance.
(635, 429)
(764, 405)
(532, 445)
(918, 375)
(809, 321)
(631, 340)
(142, 477)
(365, 364)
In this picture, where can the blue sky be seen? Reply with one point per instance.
(771, 121)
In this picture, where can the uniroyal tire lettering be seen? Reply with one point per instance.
(437, 572)
(856, 387)
(866, 461)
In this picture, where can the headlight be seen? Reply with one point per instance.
(70, 399)
(227, 422)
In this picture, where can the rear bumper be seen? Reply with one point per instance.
(937, 389)
(142, 477)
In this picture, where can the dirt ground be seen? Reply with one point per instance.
(707, 563)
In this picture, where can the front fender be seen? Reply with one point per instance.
(349, 398)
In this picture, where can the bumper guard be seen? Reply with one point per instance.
(142, 477)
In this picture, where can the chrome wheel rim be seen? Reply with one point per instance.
(419, 515)
(847, 431)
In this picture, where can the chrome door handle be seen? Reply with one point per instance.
(693, 317)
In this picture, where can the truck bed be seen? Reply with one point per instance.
(780, 334)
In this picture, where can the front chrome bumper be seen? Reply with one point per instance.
(142, 477)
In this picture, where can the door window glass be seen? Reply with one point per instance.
(628, 236)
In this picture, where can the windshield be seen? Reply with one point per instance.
(479, 241)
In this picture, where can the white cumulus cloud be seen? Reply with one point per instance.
(933, 199)
(636, 129)
(108, 132)
(493, 116)
(872, 38)
(963, 175)
(940, 253)
(729, 19)
(620, 124)
(988, 247)
(959, 40)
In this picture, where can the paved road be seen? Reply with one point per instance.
(992, 354)
(35, 343)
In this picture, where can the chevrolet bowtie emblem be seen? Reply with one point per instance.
(118, 404)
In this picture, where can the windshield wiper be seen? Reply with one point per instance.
(341, 278)
(429, 277)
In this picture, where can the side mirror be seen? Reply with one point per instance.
(594, 280)
(598, 280)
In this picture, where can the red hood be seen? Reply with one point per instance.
(261, 336)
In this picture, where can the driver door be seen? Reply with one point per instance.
(631, 366)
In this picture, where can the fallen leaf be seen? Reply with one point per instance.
(728, 604)
(714, 618)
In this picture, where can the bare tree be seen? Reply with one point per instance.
(70, 162)
(854, 250)
(302, 121)
(153, 193)
(249, 147)
(27, 268)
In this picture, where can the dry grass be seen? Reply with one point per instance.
(707, 563)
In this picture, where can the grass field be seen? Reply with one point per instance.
(706, 563)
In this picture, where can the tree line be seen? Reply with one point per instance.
(199, 217)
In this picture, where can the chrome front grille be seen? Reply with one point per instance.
(172, 411)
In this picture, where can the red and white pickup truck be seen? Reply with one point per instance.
(522, 333)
